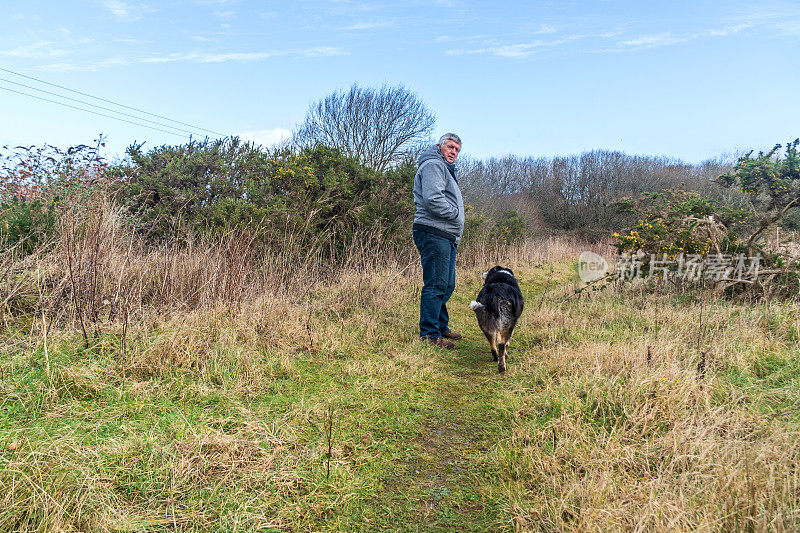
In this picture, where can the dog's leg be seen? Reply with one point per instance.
(500, 345)
(490, 338)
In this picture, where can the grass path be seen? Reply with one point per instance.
(447, 484)
(444, 480)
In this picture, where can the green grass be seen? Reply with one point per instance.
(218, 420)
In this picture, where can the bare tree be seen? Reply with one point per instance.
(579, 191)
(377, 126)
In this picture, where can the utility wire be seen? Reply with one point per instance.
(112, 102)
(100, 107)
(93, 112)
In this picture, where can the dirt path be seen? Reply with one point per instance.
(446, 483)
(446, 476)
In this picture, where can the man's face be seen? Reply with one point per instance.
(450, 150)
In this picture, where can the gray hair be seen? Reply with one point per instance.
(449, 137)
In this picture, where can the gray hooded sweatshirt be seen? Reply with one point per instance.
(440, 208)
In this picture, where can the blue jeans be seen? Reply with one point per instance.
(438, 257)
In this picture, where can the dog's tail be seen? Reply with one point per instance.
(476, 305)
(501, 357)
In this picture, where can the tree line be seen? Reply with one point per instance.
(350, 164)
(579, 192)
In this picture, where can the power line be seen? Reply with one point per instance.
(111, 102)
(93, 112)
(100, 107)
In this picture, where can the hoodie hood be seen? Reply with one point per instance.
(434, 153)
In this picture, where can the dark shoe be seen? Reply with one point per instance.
(454, 335)
(443, 343)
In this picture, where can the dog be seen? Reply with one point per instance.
(497, 308)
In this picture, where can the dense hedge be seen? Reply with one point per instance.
(38, 184)
(315, 193)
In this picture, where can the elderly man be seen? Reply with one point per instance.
(438, 226)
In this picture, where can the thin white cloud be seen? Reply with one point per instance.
(651, 41)
(243, 57)
(128, 40)
(118, 8)
(369, 25)
(516, 50)
(38, 50)
(622, 39)
(545, 29)
(67, 67)
(199, 57)
(465, 38)
(669, 38)
(509, 50)
(320, 51)
(789, 28)
(110, 62)
(125, 11)
(730, 30)
(776, 17)
(767, 13)
(267, 137)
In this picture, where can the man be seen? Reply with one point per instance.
(438, 226)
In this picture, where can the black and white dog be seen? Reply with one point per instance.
(498, 307)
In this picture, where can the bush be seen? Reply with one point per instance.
(689, 238)
(772, 184)
(27, 223)
(316, 194)
(678, 222)
(510, 228)
(37, 185)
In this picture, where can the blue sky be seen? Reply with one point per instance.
(687, 79)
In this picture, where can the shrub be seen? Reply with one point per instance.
(27, 223)
(190, 184)
(678, 222)
(38, 184)
(510, 228)
(772, 184)
(693, 238)
(316, 194)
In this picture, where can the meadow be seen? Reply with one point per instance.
(212, 386)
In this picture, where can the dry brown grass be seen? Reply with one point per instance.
(629, 426)
(622, 409)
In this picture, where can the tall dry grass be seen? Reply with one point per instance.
(98, 269)
(645, 413)
(623, 409)
(97, 266)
